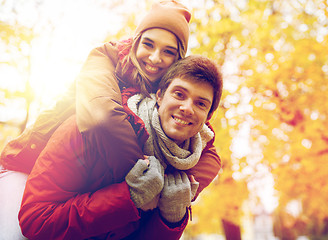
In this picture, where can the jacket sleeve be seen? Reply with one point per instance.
(21, 153)
(207, 167)
(57, 203)
(156, 228)
(100, 115)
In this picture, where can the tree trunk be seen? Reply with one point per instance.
(231, 230)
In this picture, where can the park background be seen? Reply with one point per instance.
(271, 127)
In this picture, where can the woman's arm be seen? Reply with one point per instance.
(100, 115)
(21, 153)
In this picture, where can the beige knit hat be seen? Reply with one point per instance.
(168, 15)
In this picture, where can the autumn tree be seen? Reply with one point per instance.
(14, 63)
(288, 81)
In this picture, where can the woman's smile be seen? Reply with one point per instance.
(151, 69)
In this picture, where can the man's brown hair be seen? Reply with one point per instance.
(198, 69)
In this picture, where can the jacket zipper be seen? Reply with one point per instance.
(190, 213)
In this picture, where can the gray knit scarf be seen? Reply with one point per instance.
(181, 157)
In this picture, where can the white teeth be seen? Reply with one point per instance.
(181, 121)
(152, 69)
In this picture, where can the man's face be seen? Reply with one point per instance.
(184, 108)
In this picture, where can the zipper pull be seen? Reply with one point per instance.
(190, 212)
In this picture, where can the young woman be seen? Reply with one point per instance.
(160, 39)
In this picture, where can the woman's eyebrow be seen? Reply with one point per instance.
(152, 41)
(174, 48)
(148, 39)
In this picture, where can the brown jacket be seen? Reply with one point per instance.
(99, 112)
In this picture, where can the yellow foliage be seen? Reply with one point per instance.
(278, 48)
(221, 200)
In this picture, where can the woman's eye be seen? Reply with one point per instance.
(147, 44)
(170, 52)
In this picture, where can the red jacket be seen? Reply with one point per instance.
(74, 193)
(71, 196)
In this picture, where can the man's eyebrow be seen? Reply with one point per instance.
(152, 41)
(206, 99)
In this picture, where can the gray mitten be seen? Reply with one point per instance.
(145, 181)
(194, 187)
(176, 196)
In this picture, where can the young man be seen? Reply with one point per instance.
(74, 193)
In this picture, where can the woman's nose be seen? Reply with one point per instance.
(155, 57)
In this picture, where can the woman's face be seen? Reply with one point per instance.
(157, 51)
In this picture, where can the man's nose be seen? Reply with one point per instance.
(187, 107)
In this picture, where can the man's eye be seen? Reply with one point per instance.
(178, 94)
(202, 105)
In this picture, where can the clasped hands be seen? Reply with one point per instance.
(149, 188)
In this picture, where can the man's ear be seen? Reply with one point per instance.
(158, 97)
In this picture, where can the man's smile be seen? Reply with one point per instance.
(180, 121)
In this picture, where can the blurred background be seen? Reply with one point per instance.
(271, 127)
